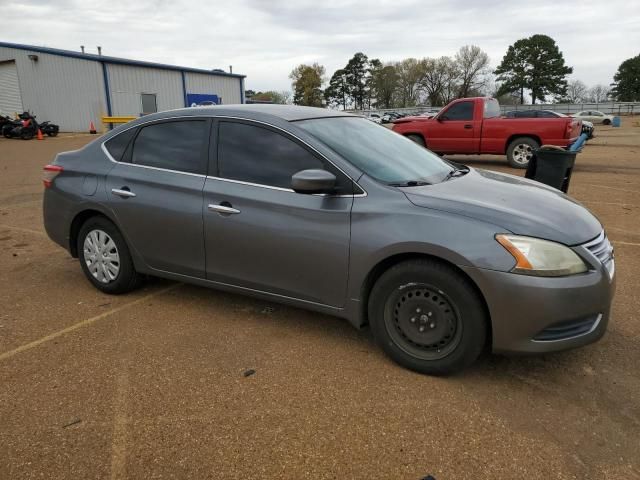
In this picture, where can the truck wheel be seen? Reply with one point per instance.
(428, 317)
(520, 151)
(417, 139)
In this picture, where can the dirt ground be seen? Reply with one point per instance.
(152, 385)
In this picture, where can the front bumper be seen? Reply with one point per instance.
(537, 314)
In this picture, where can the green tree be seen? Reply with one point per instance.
(355, 74)
(383, 84)
(536, 64)
(306, 81)
(337, 92)
(627, 81)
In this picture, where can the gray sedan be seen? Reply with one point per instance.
(331, 212)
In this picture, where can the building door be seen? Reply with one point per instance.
(10, 97)
(149, 104)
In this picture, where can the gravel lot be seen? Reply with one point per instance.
(152, 385)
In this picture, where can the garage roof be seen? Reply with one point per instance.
(114, 60)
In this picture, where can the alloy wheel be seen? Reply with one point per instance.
(522, 153)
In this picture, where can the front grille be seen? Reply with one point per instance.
(565, 330)
(600, 247)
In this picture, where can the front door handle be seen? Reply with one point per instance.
(468, 126)
(223, 209)
(123, 192)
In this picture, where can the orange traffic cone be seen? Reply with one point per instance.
(92, 128)
(40, 137)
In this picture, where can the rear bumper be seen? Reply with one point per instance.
(537, 315)
(56, 223)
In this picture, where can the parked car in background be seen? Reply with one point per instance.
(594, 116)
(327, 211)
(474, 126)
(389, 117)
(587, 127)
(374, 117)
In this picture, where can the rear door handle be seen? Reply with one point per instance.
(468, 126)
(123, 192)
(223, 209)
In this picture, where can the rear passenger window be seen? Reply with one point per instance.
(118, 144)
(172, 145)
(257, 155)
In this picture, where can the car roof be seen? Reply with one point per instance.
(290, 113)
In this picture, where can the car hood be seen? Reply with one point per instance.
(521, 206)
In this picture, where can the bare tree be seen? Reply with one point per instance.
(576, 91)
(410, 71)
(598, 93)
(450, 79)
(473, 67)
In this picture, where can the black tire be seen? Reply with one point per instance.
(517, 148)
(606, 121)
(52, 134)
(26, 135)
(127, 278)
(417, 139)
(431, 295)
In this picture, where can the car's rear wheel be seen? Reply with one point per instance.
(606, 121)
(417, 139)
(520, 151)
(105, 257)
(428, 317)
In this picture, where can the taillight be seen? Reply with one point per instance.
(50, 173)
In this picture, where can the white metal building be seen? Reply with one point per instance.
(73, 89)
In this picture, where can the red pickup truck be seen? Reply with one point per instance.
(474, 126)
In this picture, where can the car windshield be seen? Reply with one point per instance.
(379, 152)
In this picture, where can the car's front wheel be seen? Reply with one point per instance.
(606, 121)
(428, 317)
(105, 257)
(417, 139)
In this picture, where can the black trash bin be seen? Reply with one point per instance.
(552, 166)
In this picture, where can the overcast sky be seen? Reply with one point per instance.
(266, 39)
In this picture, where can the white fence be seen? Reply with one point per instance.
(613, 108)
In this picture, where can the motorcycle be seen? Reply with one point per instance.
(25, 127)
(4, 120)
(49, 129)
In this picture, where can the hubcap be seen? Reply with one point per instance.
(101, 256)
(522, 153)
(423, 322)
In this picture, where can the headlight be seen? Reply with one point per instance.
(541, 257)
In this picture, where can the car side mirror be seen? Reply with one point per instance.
(441, 118)
(313, 181)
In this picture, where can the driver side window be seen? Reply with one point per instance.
(459, 111)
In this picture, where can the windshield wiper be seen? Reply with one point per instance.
(457, 172)
(409, 183)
